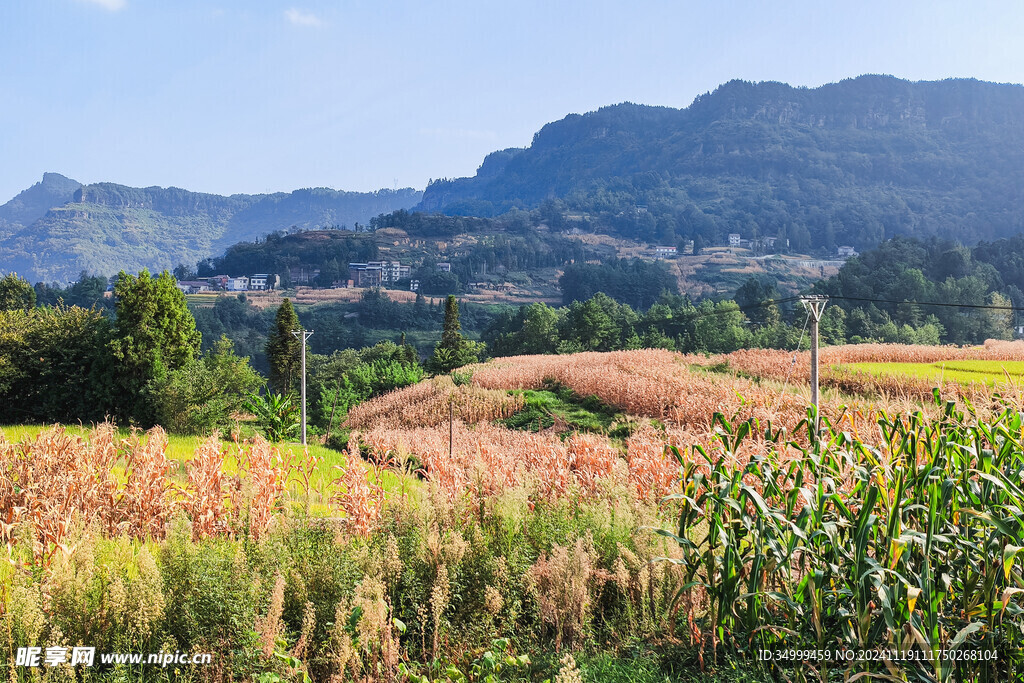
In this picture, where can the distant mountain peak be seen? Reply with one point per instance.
(50, 177)
(32, 204)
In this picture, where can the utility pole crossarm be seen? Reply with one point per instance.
(304, 335)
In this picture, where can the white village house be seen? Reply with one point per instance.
(237, 284)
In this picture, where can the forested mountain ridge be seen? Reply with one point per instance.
(105, 227)
(33, 203)
(853, 163)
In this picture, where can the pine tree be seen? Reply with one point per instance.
(454, 350)
(283, 349)
(451, 336)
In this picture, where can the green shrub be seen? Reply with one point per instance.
(202, 395)
(55, 366)
(276, 415)
(212, 594)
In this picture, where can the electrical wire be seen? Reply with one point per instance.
(776, 302)
(798, 343)
(928, 303)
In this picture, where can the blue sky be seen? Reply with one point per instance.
(257, 96)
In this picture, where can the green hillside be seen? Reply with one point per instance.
(849, 163)
(106, 227)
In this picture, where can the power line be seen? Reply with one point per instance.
(797, 347)
(776, 302)
(929, 303)
(743, 309)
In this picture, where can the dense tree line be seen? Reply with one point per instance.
(236, 318)
(501, 255)
(143, 366)
(147, 363)
(600, 323)
(636, 282)
(338, 326)
(87, 291)
(419, 224)
(933, 271)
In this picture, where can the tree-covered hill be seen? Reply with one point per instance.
(968, 293)
(58, 228)
(33, 203)
(851, 163)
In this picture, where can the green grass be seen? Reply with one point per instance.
(180, 448)
(962, 371)
(663, 665)
(559, 405)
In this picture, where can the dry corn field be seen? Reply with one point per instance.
(430, 402)
(795, 367)
(650, 383)
(56, 483)
(482, 459)
(486, 460)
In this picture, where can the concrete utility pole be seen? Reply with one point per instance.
(815, 305)
(304, 334)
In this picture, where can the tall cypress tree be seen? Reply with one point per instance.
(283, 349)
(451, 337)
(454, 350)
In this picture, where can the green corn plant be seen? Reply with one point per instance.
(913, 544)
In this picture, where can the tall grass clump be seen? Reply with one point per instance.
(911, 545)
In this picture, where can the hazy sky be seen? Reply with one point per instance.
(256, 96)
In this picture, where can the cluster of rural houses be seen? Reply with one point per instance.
(376, 273)
(382, 273)
(379, 273)
(243, 283)
(369, 274)
(737, 240)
